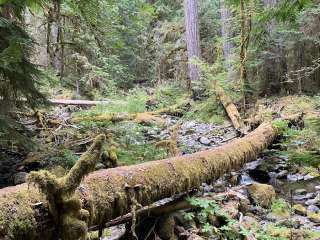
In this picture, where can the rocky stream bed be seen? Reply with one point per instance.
(246, 192)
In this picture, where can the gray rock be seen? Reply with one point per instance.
(311, 195)
(19, 178)
(295, 177)
(300, 191)
(317, 188)
(204, 141)
(282, 174)
(308, 177)
(300, 198)
(314, 201)
(313, 208)
(188, 125)
(311, 202)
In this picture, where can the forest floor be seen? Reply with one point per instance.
(275, 197)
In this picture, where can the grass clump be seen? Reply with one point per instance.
(280, 208)
(208, 110)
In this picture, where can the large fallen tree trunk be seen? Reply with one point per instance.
(110, 193)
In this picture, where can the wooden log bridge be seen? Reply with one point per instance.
(110, 193)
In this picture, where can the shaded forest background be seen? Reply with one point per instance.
(95, 47)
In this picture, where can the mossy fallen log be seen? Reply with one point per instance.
(230, 109)
(110, 193)
(152, 117)
(141, 118)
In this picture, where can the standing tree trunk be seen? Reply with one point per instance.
(54, 30)
(226, 33)
(245, 28)
(192, 38)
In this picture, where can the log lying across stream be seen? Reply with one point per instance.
(112, 192)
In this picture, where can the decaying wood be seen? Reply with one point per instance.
(77, 102)
(141, 118)
(230, 108)
(112, 192)
(152, 117)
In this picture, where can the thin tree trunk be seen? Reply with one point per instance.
(111, 193)
(53, 36)
(192, 39)
(226, 32)
(245, 27)
(243, 70)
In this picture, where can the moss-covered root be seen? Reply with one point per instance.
(64, 206)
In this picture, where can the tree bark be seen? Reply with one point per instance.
(54, 31)
(245, 31)
(230, 109)
(76, 102)
(226, 33)
(113, 192)
(192, 38)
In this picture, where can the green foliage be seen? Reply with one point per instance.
(302, 146)
(280, 125)
(111, 35)
(132, 102)
(208, 110)
(280, 208)
(19, 77)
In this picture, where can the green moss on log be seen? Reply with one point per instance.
(64, 206)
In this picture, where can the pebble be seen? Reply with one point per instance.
(313, 208)
(204, 141)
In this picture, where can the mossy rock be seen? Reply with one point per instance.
(314, 217)
(300, 209)
(262, 194)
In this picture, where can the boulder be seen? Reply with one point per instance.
(262, 194)
(300, 209)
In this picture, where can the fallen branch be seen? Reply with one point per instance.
(110, 193)
(141, 118)
(77, 102)
(230, 109)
